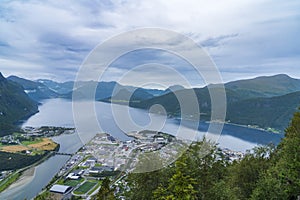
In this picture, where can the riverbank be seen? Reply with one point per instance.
(22, 176)
(25, 178)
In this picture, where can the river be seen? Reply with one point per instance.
(58, 112)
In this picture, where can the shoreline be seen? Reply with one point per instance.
(28, 172)
(273, 130)
(26, 177)
(255, 128)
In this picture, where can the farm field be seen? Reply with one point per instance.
(14, 148)
(43, 144)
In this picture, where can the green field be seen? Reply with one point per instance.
(85, 187)
(72, 183)
(99, 183)
(98, 165)
(26, 143)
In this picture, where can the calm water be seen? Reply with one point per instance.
(58, 112)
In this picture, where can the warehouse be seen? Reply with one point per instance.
(60, 189)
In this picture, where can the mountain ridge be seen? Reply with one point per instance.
(243, 97)
(265, 86)
(37, 91)
(15, 105)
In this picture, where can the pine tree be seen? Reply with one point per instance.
(143, 184)
(106, 192)
(244, 174)
(181, 185)
(282, 180)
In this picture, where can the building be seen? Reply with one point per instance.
(61, 189)
(111, 138)
(75, 175)
(96, 170)
(161, 140)
(91, 160)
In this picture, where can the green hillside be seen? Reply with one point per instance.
(265, 112)
(14, 105)
(205, 171)
(171, 104)
(267, 101)
(123, 96)
(265, 86)
(275, 112)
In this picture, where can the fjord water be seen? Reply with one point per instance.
(58, 112)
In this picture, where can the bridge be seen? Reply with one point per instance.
(61, 153)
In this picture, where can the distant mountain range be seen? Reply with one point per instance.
(14, 105)
(35, 90)
(104, 91)
(267, 101)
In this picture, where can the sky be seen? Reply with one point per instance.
(51, 39)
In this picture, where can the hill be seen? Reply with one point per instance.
(35, 90)
(170, 101)
(47, 89)
(14, 105)
(265, 86)
(124, 96)
(59, 88)
(85, 89)
(172, 88)
(266, 101)
(275, 112)
(264, 112)
(105, 91)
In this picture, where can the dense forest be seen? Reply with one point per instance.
(203, 173)
(13, 161)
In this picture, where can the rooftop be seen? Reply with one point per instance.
(62, 189)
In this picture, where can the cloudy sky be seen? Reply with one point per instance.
(52, 38)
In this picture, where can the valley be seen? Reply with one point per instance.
(243, 106)
(275, 98)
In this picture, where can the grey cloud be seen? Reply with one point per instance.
(244, 37)
(216, 41)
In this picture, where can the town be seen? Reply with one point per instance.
(105, 156)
